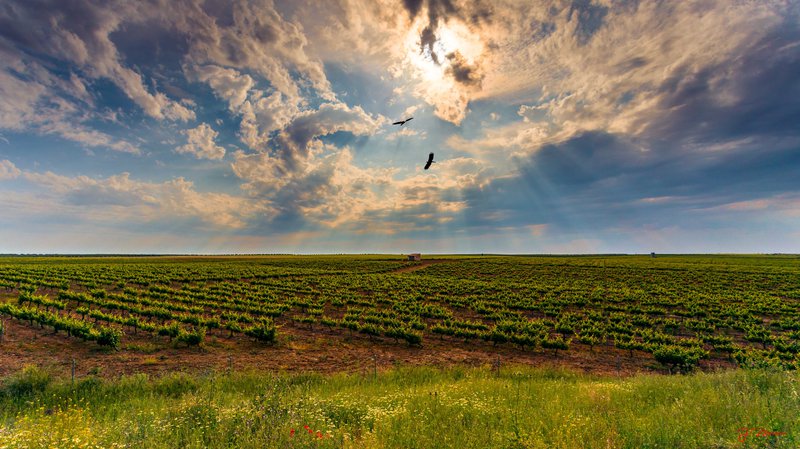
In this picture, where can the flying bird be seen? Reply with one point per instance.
(403, 122)
(430, 161)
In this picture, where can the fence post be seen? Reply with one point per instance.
(73, 371)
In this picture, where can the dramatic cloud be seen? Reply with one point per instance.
(328, 190)
(303, 175)
(33, 99)
(559, 125)
(79, 32)
(253, 36)
(328, 119)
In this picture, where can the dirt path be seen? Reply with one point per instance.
(421, 265)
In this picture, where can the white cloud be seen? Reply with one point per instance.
(406, 132)
(88, 137)
(118, 200)
(327, 188)
(615, 80)
(329, 118)
(263, 114)
(37, 104)
(330, 189)
(18, 101)
(8, 170)
(201, 143)
(86, 42)
(228, 84)
(784, 204)
(257, 38)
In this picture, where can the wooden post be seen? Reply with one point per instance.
(73, 371)
(230, 364)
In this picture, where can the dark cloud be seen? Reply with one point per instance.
(441, 10)
(413, 7)
(462, 71)
(143, 43)
(757, 93)
(590, 18)
(70, 29)
(328, 119)
(719, 134)
(598, 180)
(427, 40)
(583, 160)
(77, 32)
(541, 30)
(631, 64)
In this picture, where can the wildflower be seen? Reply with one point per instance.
(319, 434)
(291, 433)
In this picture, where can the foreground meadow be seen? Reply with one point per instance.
(514, 407)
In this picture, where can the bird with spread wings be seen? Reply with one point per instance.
(403, 122)
(430, 161)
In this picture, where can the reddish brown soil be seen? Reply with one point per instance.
(298, 350)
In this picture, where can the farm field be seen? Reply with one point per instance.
(600, 314)
(375, 351)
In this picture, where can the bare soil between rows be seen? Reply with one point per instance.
(298, 349)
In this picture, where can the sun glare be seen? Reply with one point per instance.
(432, 63)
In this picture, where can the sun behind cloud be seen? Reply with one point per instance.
(445, 68)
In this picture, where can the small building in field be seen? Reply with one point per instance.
(653, 255)
(414, 257)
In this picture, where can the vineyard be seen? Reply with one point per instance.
(671, 313)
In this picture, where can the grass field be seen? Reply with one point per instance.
(516, 407)
(374, 351)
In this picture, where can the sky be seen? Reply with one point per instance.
(260, 126)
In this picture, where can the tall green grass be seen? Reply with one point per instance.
(518, 407)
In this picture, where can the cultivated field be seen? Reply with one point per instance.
(609, 314)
